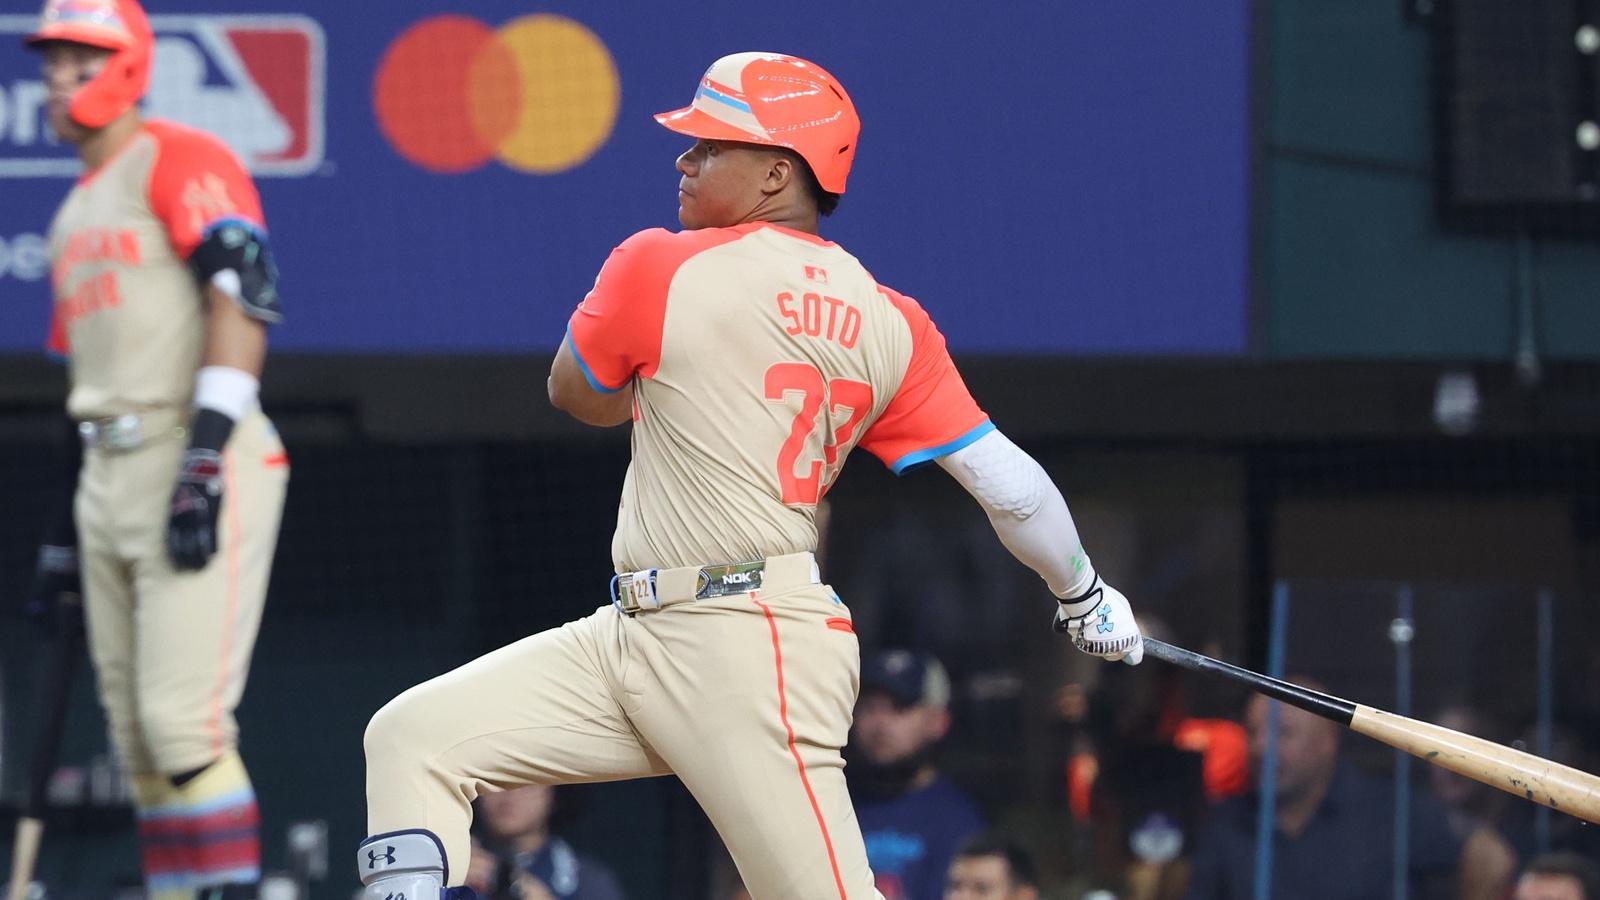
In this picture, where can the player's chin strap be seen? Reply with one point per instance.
(406, 865)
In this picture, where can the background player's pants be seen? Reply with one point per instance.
(171, 649)
(746, 698)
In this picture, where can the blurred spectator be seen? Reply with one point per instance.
(989, 867)
(1559, 876)
(516, 857)
(912, 817)
(1334, 829)
(1144, 775)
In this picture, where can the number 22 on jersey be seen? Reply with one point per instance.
(786, 378)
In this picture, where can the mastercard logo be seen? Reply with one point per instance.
(540, 94)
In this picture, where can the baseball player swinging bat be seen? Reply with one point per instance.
(63, 665)
(1559, 787)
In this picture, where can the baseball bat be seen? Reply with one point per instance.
(1559, 787)
(63, 665)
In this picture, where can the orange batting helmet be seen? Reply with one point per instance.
(779, 100)
(118, 25)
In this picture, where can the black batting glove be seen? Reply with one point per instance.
(196, 503)
(197, 497)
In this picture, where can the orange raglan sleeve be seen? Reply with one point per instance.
(56, 343)
(615, 333)
(932, 414)
(197, 184)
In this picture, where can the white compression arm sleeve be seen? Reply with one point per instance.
(1027, 511)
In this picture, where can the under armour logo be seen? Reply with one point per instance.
(387, 856)
(395, 897)
(1104, 626)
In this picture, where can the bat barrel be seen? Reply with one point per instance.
(1534, 778)
(1316, 702)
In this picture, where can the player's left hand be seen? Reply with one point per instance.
(1100, 623)
(196, 503)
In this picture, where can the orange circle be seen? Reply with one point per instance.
(570, 93)
(418, 90)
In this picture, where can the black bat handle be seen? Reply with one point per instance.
(1324, 705)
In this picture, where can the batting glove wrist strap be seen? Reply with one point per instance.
(1082, 602)
(210, 430)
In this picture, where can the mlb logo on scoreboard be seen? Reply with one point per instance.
(255, 81)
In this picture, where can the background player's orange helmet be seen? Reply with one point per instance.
(118, 25)
(784, 101)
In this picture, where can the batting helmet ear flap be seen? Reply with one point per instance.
(115, 90)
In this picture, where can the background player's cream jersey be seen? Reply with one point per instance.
(760, 357)
(129, 313)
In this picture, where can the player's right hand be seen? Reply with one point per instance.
(1100, 623)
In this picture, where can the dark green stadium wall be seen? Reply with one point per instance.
(1350, 257)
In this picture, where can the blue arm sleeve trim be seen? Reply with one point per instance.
(240, 221)
(921, 457)
(584, 368)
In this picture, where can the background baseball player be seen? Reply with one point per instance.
(163, 286)
(751, 356)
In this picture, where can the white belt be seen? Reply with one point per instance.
(633, 592)
(129, 431)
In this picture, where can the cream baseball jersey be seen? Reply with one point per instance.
(129, 312)
(760, 357)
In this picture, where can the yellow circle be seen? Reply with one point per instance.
(570, 93)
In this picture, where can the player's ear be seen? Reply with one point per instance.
(780, 172)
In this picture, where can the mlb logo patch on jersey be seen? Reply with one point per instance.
(257, 82)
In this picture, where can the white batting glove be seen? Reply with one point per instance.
(1100, 623)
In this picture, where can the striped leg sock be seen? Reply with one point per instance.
(204, 834)
(166, 863)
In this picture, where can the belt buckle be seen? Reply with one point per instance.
(118, 434)
(733, 578)
(125, 433)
